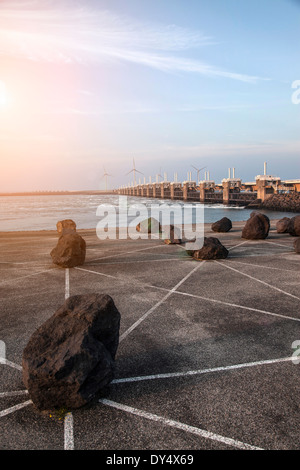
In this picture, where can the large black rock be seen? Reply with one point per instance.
(257, 227)
(70, 250)
(294, 226)
(70, 358)
(222, 225)
(212, 249)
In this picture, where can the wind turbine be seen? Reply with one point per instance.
(159, 175)
(105, 175)
(134, 171)
(198, 171)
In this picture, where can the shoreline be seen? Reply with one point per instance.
(60, 193)
(47, 232)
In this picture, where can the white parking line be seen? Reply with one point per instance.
(96, 272)
(143, 317)
(68, 432)
(23, 277)
(181, 426)
(267, 267)
(15, 408)
(229, 304)
(14, 393)
(171, 375)
(128, 252)
(9, 363)
(258, 280)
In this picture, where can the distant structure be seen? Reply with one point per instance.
(230, 191)
(134, 171)
(105, 175)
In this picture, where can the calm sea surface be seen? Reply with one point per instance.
(43, 212)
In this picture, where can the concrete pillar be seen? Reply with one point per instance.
(226, 191)
(202, 192)
(261, 189)
(147, 190)
(185, 188)
(162, 191)
(172, 190)
(154, 189)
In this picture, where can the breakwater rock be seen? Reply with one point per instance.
(70, 358)
(289, 202)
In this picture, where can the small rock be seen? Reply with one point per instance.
(257, 227)
(70, 358)
(222, 225)
(282, 226)
(175, 236)
(297, 245)
(66, 224)
(149, 225)
(294, 226)
(212, 249)
(70, 250)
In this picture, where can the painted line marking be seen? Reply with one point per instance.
(235, 246)
(143, 317)
(201, 371)
(199, 297)
(181, 426)
(14, 408)
(14, 393)
(68, 421)
(267, 267)
(9, 363)
(238, 306)
(67, 283)
(68, 432)
(145, 261)
(278, 244)
(95, 272)
(128, 252)
(229, 304)
(23, 277)
(258, 280)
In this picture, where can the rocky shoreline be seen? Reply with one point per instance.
(289, 202)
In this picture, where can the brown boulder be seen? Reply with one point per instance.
(65, 224)
(149, 225)
(212, 249)
(70, 358)
(222, 225)
(70, 250)
(174, 236)
(282, 226)
(257, 227)
(294, 226)
(297, 245)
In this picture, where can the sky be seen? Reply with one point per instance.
(86, 86)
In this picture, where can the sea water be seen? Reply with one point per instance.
(42, 212)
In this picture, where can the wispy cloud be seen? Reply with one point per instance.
(64, 32)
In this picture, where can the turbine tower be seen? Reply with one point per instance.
(198, 171)
(105, 175)
(134, 171)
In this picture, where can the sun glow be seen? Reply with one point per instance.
(3, 95)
